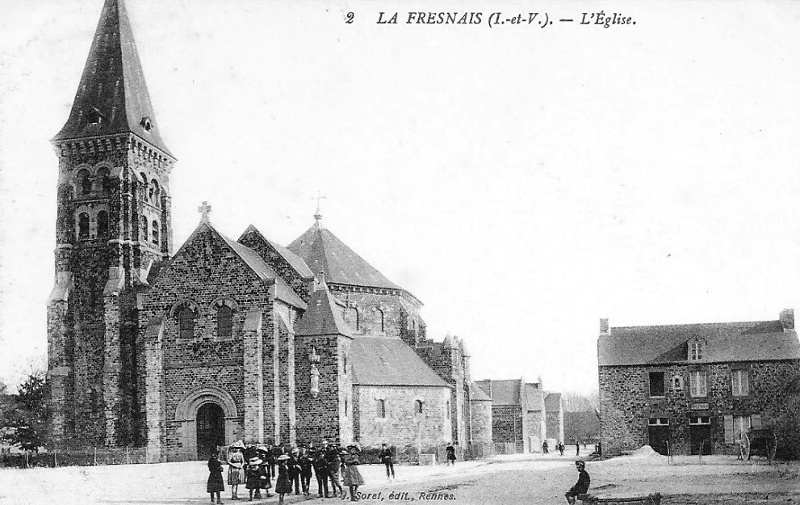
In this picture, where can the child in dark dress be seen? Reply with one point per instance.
(255, 475)
(266, 480)
(215, 484)
(283, 485)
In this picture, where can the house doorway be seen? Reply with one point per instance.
(658, 434)
(700, 435)
(210, 429)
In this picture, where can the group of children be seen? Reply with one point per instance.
(256, 466)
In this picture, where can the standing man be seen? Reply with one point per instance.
(386, 459)
(580, 487)
(451, 454)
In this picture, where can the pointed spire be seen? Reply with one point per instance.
(318, 213)
(112, 96)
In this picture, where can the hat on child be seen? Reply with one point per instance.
(255, 460)
(283, 457)
(237, 445)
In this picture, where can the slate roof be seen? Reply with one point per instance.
(502, 392)
(476, 394)
(382, 361)
(295, 261)
(552, 402)
(323, 251)
(322, 317)
(112, 85)
(736, 341)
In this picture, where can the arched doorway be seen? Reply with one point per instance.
(210, 429)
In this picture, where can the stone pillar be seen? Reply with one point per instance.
(154, 383)
(253, 379)
(112, 371)
(58, 369)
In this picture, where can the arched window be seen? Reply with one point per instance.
(105, 181)
(83, 226)
(344, 359)
(154, 233)
(353, 318)
(448, 409)
(85, 182)
(381, 408)
(186, 322)
(155, 193)
(143, 229)
(418, 406)
(224, 321)
(380, 317)
(102, 223)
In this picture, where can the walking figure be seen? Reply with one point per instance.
(451, 454)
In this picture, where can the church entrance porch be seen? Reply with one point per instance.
(210, 429)
(204, 419)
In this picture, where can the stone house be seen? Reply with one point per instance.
(694, 388)
(524, 414)
(224, 339)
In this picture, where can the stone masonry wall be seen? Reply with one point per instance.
(321, 417)
(369, 303)
(626, 405)
(402, 426)
(507, 425)
(95, 401)
(203, 274)
(481, 421)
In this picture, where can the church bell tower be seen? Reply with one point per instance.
(113, 224)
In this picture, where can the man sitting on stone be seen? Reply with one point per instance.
(580, 487)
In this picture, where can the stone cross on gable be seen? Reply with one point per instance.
(204, 210)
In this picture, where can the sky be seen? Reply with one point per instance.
(521, 181)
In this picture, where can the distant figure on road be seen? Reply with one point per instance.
(580, 487)
(577, 447)
(451, 454)
(386, 459)
(544, 447)
(561, 448)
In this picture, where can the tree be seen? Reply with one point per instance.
(24, 415)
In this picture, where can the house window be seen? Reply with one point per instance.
(186, 323)
(695, 350)
(658, 421)
(83, 226)
(224, 322)
(154, 234)
(381, 405)
(699, 420)
(418, 406)
(656, 383)
(677, 383)
(102, 223)
(697, 384)
(740, 383)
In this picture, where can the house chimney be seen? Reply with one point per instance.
(604, 326)
(787, 319)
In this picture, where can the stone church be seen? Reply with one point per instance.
(224, 339)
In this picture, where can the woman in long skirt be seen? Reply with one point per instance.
(235, 468)
(352, 477)
(215, 484)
